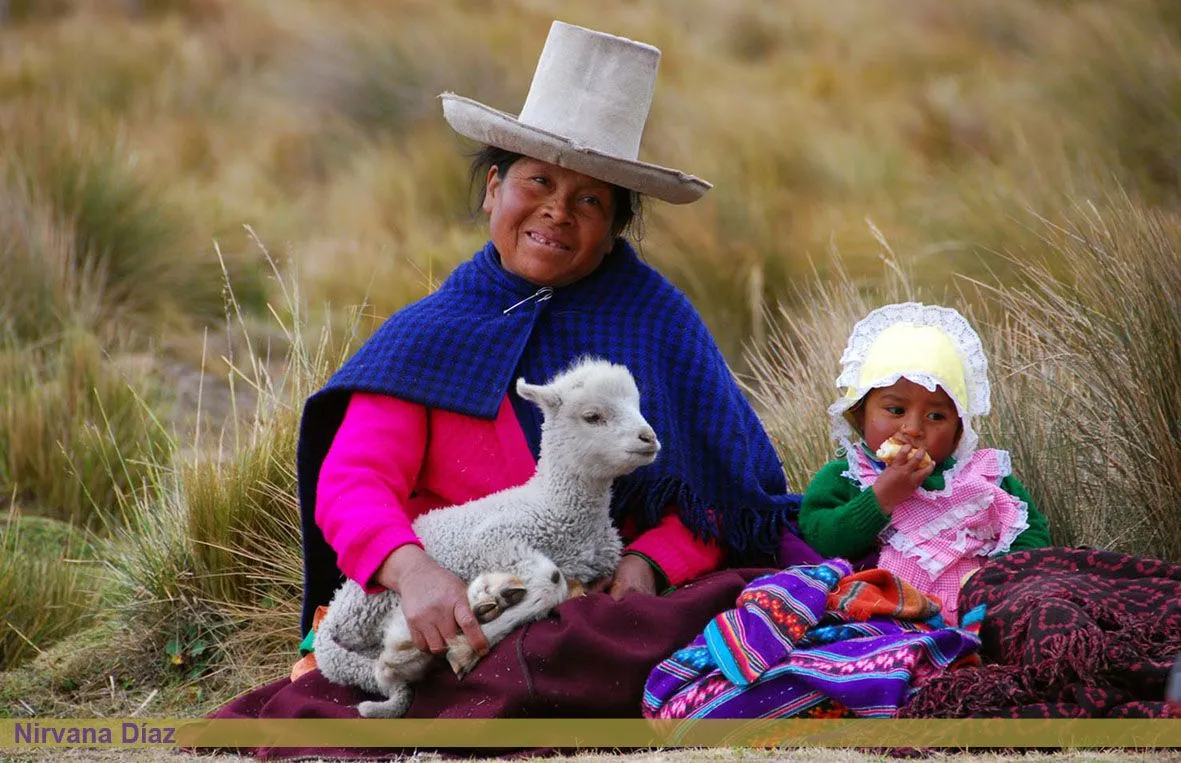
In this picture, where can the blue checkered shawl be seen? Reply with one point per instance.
(462, 347)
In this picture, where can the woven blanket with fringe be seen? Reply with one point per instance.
(1069, 633)
(812, 641)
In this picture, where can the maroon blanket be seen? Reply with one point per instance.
(1069, 633)
(588, 661)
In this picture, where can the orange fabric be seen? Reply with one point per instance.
(307, 663)
(878, 592)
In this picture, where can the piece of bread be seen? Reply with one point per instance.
(888, 451)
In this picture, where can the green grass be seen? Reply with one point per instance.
(77, 432)
(48, 585)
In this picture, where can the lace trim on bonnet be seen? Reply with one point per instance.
(968, 348)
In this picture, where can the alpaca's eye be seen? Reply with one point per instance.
(592, 417)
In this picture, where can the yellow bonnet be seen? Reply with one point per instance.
(929, 345)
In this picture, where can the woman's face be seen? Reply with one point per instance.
(919, 417)
(551, 225)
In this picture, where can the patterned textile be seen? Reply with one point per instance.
(781, 653)
(461, 348)
(1070, 633)
(936, 537)
(871, 592)
(770, 616)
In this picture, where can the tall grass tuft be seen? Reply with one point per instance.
(1102, 347)
(47, 584)
(1034, 412)
(129, 243)
(214, 542)
(792, 374)
(44, 289)
(76, 431)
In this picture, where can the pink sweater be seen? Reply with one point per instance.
(392, 460)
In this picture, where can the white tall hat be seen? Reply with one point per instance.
(585, 111)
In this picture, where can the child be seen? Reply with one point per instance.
(917, 375)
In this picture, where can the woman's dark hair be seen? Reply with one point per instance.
(628, 205)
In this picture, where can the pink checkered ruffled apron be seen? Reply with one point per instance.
(935, 537)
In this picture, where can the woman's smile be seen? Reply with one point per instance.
(547, 241)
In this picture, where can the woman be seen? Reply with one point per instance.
(556, 281)
(423, 415)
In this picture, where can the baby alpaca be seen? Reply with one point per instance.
(501, 601)
(593, 433)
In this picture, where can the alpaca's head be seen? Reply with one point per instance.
(593, 420)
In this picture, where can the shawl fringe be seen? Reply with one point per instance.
(752, 536)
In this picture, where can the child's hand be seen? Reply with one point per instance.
(898, 481)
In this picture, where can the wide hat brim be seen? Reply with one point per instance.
(493, 127)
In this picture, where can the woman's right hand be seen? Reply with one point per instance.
(898, 481)
(434, 600)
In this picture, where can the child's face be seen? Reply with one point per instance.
(921, 418)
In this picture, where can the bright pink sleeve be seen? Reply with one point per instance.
(365, 480)
(680, 555)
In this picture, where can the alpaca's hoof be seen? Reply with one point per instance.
(460, 655)
(492, 593)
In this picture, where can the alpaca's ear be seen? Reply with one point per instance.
(545, 396)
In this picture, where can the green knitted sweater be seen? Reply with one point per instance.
(838, 518)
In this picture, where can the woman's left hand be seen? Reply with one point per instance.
(633, 575)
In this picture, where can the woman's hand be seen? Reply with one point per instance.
(898, 481)
(434, 600)
(633, 575)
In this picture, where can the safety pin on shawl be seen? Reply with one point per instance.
(541, 295)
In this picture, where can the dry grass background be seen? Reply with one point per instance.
(205, 204)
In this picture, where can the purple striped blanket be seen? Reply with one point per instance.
(797, 653)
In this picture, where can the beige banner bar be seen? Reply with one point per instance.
(589, 733)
